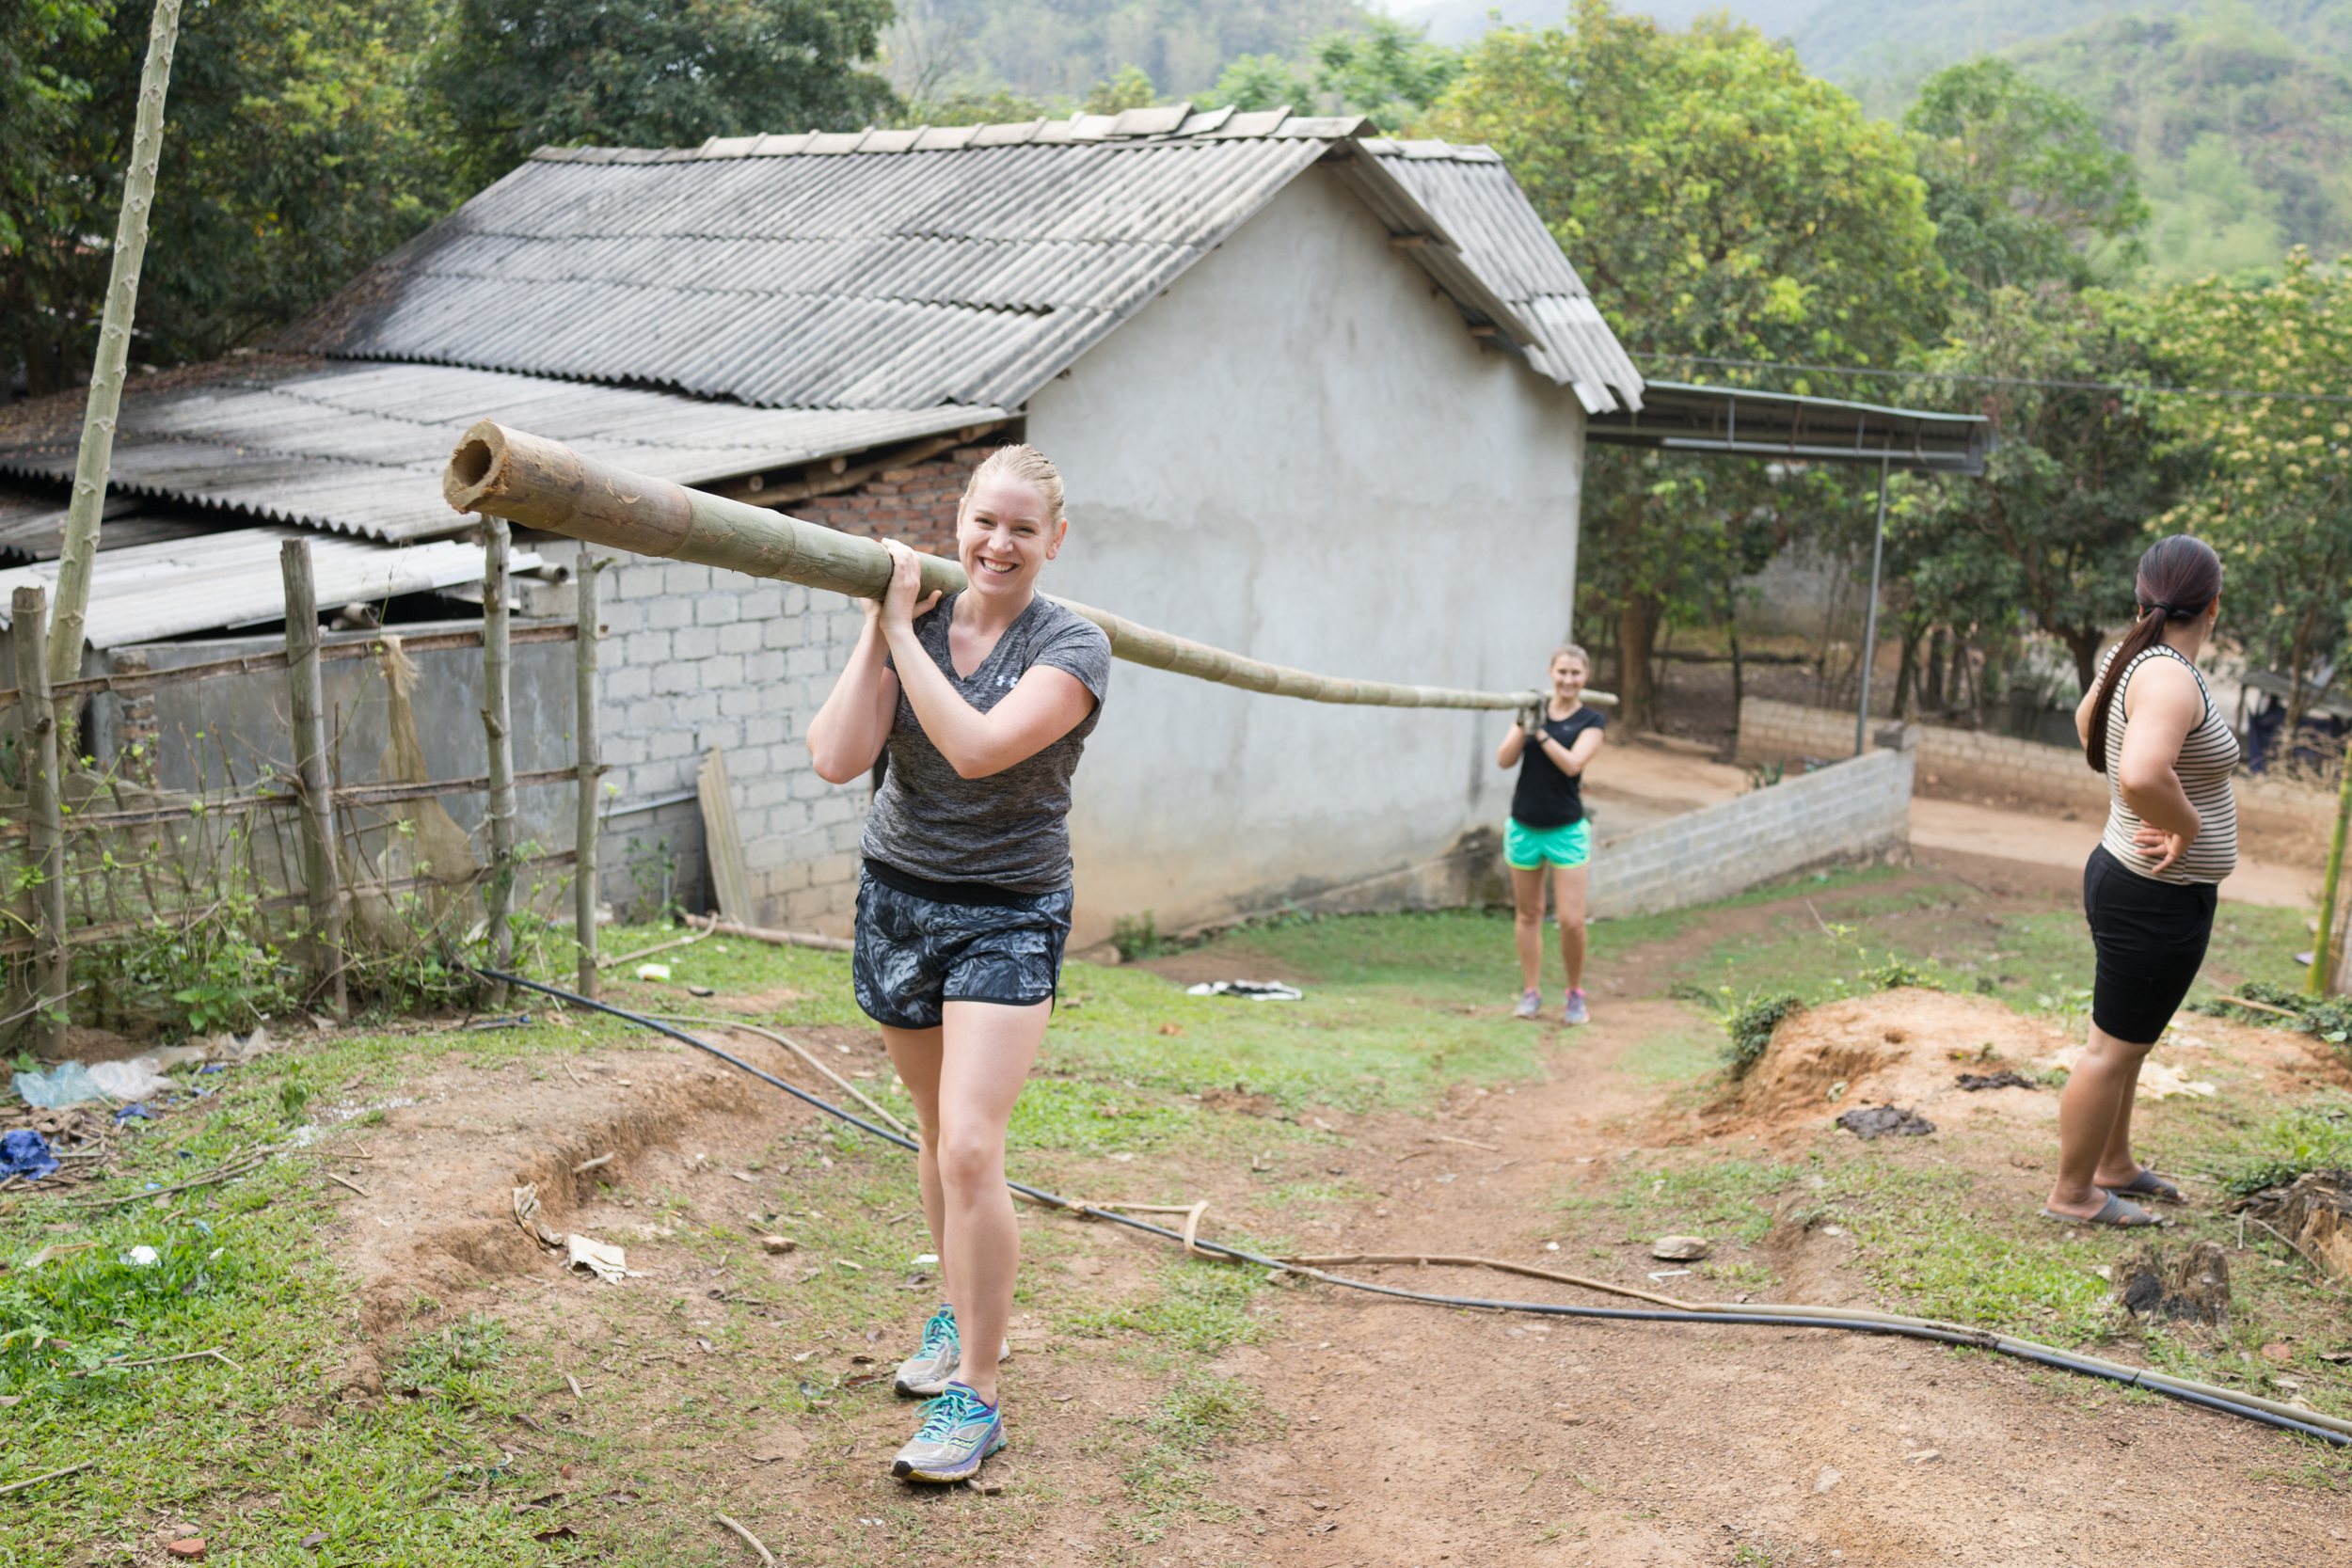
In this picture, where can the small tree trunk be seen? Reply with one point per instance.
(1932, 677)
(1738, 679)
(584, 875)
(308, 705)
(36, 721)
(114, 350)
(1906, 671)
(496, 724)
(1637, 629)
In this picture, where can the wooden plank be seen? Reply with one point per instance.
(722, 843)
(133, 683)
(37, 731)
(81, 936)
(587, 770)
(308, 707)
(497, 724)
(352, 794)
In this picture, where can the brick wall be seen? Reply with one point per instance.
(696, 657)
(916, 503)
(1854, 812)
(2288, 820)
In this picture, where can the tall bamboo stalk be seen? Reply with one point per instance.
(497, 721)
(584, 747)
(37, 722)
(2322, 971)
(306, 702)
(114, 350)
(544, 484)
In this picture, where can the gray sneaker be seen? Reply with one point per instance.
(924, 1375)
(960, 1430)
(1574, 1012)
(1530, 1003)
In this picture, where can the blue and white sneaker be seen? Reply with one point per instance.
(924, 1375)
(1575, 1012)
(1530, 1003)
(960, 1430)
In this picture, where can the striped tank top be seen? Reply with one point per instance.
(2208, 756)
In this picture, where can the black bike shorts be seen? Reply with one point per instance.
(2151, 938)
(914, 955)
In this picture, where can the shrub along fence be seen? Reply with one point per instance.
(122, 894)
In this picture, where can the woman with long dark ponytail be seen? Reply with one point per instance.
(2148, 723)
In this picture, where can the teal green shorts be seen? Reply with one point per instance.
(1527, 848)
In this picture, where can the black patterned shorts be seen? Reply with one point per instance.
(914, 955)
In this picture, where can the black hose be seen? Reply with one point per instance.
(2042, 1354)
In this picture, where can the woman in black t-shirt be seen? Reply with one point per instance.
(1548, 827)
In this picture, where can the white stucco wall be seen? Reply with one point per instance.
(1299, 452)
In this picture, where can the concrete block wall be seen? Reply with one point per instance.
(695, 657)
(2276, 819)
(1855, 811)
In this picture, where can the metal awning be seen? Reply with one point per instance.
(1784, 427)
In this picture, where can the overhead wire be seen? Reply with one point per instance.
(2228, 1401)
(2275, 395)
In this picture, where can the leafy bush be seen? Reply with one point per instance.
(2329, 1017)
(1902, 971)
(1138, 937)
(1749, 1028)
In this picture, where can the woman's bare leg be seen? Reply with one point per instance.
(914, 1053)
(2094, 1114)
(2118, 1168)
(986, 1049)
(1568, 896)
(1527, 907)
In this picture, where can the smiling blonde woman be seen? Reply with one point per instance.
(983, 701)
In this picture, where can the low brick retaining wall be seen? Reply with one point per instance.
(2275, 820)
(1857, 811)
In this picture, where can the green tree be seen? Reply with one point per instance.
(1255, 82)
(2019, 180)
(1719, 202)
(1388, 72)
(293, 152)
(2052, 527)
(1129, 87)
(519, 74)
(2277, 500)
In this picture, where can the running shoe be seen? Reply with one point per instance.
(959, 1431)
(1530, 1003)
(924, 1375)
(1574, 1012)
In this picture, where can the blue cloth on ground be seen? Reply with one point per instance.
(25, 1153)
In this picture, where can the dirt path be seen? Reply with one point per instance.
(723, 1379)
(1430, 1438)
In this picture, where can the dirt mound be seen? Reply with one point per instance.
(1905, 1047)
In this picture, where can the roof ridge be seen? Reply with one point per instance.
(1155, 125)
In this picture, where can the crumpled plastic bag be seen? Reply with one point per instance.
(601, 1258)
(25, 1153)
(1253, 990)
(133, 1080)
(68, 1085)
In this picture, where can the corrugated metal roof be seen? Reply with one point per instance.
(146, 592)
(359, 447)
(899, 269)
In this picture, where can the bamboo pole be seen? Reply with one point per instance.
(96, 458)
(2323, 973)
(584, 730)
(37, 722)
(308, 705)
(497, 721)
(544, 484)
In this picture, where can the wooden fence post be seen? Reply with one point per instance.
(37, 717)
(308, 701)
(497, 716)
(584, 732)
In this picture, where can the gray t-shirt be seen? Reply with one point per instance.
(1008, 830)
